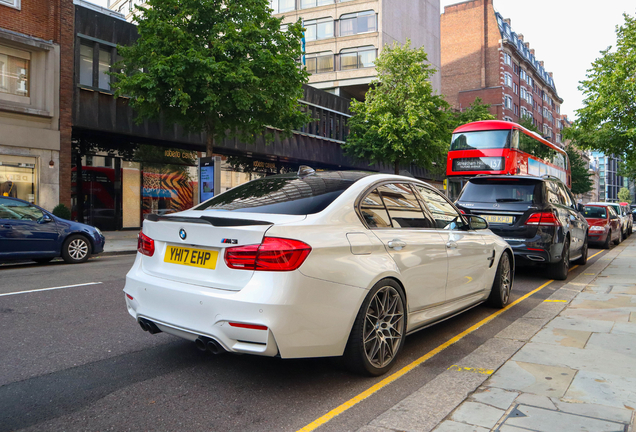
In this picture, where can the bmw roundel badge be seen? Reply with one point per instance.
(182, 234)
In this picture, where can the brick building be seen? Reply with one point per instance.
(36, 72)
(482, 57)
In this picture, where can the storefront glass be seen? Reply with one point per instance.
(18, 177)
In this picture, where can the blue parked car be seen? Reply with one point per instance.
(30, 232)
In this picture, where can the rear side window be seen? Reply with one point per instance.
(373, 211)
(499, 192)
(289, 195)
(595, 212)
(403, 206)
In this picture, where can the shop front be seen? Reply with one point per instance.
(18, 177)
(114, 189)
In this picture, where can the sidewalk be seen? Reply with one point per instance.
(567, 365)
(120, 242)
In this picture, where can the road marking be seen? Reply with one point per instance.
(473, 370)
(388, 380)
(555, 301)
(406, 369)
(49, 289)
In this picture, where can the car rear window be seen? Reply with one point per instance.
(286, 194)
(595, 212)
(499, 192)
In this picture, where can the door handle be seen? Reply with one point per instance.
(451, 245)
(396, 244)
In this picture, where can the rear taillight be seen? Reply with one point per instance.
(274, 254)
(543, 219)
(145, 245)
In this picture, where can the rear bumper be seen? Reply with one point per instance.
(305, 317)
(535, 250)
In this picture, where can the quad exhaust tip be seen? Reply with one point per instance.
(148, 326)
(208, 344)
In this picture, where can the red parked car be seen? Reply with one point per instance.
(604, 225)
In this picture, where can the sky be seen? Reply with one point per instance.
(567, 35)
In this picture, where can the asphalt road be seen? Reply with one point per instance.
(73, 359)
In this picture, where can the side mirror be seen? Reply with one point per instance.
(46, 219)
(580, 207)
(477, 222)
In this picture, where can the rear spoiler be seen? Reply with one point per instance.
(214, 221)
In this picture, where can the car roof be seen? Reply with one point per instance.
(483, 177)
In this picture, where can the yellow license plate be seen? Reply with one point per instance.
(191, 257)
(499, 219)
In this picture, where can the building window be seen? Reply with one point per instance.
(11, 3)
(86, 65)
(318, 29)
(320, 62)
(104, 68)
(304, 4)
(508, 79)
(515, 88)
(507, 59)
(529, 80)
(515, 68)
(281, 6)
(508, 119)
(14, 72)
(356, 58)
(516, 109)
(361, 22)
(508, 101)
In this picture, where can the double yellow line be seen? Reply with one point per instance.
(388, 380)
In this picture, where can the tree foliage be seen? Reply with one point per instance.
(607, 121)
(477, 111)
(401, 121)
(581, 182)
(214, 65)
(624, 195)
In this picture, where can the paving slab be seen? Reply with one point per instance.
(592, 358)
(632, 317)
(451, 426)
(574, 323)
(614, 315)
(542, 420)
(624, 328)
(563, 337)
(604, 389)
(539, 379)
(491, 354)
(495, 397)
(478, 414)
(536, 401)
(602, 412)
(545, 310)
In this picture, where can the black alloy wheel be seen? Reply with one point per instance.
(583, 259)
(561, 269)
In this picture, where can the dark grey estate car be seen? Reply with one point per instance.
(537, 216)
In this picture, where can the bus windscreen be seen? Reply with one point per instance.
(494, 139)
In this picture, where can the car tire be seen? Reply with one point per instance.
(76, 249)
(561, 269)
(583, 259)
(608, 240)
(378, 331)
(620, 238)
(502, 285)
(42, 260)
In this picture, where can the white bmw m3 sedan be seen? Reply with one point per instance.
(315, 264)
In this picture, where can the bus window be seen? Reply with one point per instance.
(495, 139)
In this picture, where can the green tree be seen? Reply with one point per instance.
(401, 121)
(477, 111)
(221, 66)
(607, 121)
(624, 195)
(581, 182)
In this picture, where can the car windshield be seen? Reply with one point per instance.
(595, 212)
(499, 192)
(286, 194)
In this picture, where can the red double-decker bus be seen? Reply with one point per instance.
(501, 147)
